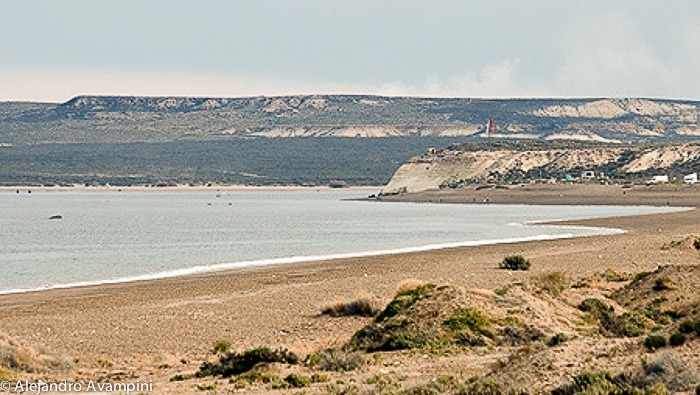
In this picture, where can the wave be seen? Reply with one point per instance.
(220, 267)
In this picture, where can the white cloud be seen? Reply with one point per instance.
(612, 56)
(496, 80)
(602, 56)
(608, 57)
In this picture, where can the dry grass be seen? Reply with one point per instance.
(363, 305)
(336, 360)
(553, 283)
(409, 285)
(18, 357)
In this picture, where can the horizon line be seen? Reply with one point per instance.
(403, 96)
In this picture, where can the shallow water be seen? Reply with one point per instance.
(122, 236)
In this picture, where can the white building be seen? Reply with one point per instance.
(658, 180)
(690, 178)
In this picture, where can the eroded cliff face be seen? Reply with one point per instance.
(616, 108)
(454, 167)
(129, 119)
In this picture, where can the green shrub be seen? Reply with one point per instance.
(596, 307)
(696, 244)
(687, 326)
(630, 324)
(654, 342)
(179, 377)
(515, 262)
(232, 364)
(602, 312)
(469, 318)
(557, 339)
(663, 284)
(248, 378)
(589, 383)
(402, 341)
(640, 276)
(320, 378)
(553, 283)
(404, 300)
(613, 276)
(336, 360)
(676, 339)
(297, 380)
(221, 346)
(473, 386)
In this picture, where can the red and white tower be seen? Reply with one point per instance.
(490, 128)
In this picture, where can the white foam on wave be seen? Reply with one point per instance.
(220, 267)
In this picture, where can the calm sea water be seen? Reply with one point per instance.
(121, 236)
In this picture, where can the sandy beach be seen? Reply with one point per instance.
(140, 326)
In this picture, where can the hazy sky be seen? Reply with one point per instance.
(53, 50)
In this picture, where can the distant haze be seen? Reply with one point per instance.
(54, 50)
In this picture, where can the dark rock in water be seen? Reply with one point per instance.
(56, 217)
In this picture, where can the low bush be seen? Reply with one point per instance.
(363, 306)
(654, 342)
(517, 334)
(557, 339)
(630, 324)
(676, 339)
(553, 283)
(663, 284)
(599, 310)
(179, 377)
(640, 276)
(472, 386)
(687, 327)
(234, 363)
(409, 285)
(590, 383)
(671, 371)
(403, 300)
(401, 341)
(297, 380)
(515, 262)
(221, 346)
(613, 276)
(469, 318)
(336, 360)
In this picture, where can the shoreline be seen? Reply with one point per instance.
(181, 188)
(427, 197)
(138, 325)
(230, 268)
(669, 195)
(233, 267)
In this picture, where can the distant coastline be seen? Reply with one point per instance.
(180, 188)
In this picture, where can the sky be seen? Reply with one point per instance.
(53, 50)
